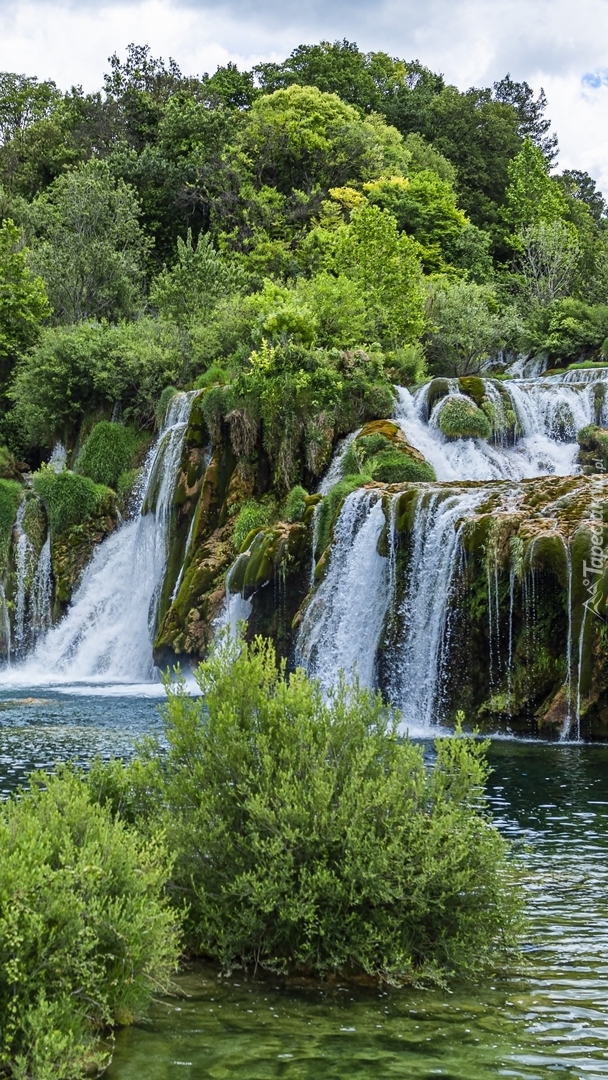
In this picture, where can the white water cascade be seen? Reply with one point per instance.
(348, 612)
(342, 624)
(107, 633)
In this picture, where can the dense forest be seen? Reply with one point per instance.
(304, 233)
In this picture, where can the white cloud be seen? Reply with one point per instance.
(559, 44)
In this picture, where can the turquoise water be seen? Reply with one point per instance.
(550, 1019)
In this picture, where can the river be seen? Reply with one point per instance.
(547, 1019)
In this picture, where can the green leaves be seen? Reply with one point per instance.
(309, 837)
(86, 936)
(23, 299)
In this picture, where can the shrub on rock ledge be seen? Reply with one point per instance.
(461, 419)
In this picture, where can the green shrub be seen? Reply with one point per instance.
(86, 935)
(10, 494)
(163, 404)
(329, 509)
(295, 503)
(310, 837)
(70, 498)
(253, 515)
(395, 467)
(461, 419)
(106, 453)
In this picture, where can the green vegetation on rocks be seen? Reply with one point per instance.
(10, 494)
(70, 498)
(107, 453)
(461, 419)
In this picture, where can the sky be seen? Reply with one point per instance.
(561, 45)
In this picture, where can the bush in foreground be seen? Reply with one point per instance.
(107, 453)
(86, 935)
(310, 838)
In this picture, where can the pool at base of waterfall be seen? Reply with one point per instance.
(548, 1018)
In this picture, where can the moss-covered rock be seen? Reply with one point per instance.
(460, 418)
(593, 453)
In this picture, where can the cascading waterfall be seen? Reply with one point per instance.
(107, 633)
(349, 613)
(420, 657)
(343, 622)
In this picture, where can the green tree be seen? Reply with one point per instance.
(89, 247)
(384, 263)
(302, 139)
(198, 279)
(549, 252)
(532, 195)
(23, 299)
(424, 206)
(466, 327)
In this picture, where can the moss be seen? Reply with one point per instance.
(253, 515)
(593, 454)
(395, 467)
(381, 453)
(296, 504)
(71, 499)
(438, 388)
(461, 419)
(10, 495)
(108, 452)
(473, 387)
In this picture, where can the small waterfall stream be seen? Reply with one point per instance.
(107, 633)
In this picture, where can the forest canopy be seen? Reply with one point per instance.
(160, 231)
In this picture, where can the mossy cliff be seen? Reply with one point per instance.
(528, 629)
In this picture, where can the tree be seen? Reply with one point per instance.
(23, 299)
(424, 206)
(365, 80)
(384, 263)
(479, 136)
(466, 327)
(532, 195)
(549, 254)
(192, 287)
(530, 112)
(578, 185)
(89, 247)
(301, 139)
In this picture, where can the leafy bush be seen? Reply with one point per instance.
(253, 515)
(309, 837)
(86, 935)
(394, 467)
(295, 503)
(163, 404)
(83, 369)
(461, 419)
(70, 498)
(10, 494)
(567, 329)
(107, 453)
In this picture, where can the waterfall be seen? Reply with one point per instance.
(108, 630)
(342, 624)
(24, 556)
(420, 657)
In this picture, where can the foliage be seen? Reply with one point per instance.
(80, 370)
(301, 139)
(424, 207)
(532, 195)
(330, 507)
(10, 495)
(466, 327)
(253, 515)
(70, 498)
(295, 503)
(194, 284)
(23, 300)
(299, 400)
(107, 453)
(384, 263)
(460, 418)
(309, 837)
(86, 935)
(566, 329)
(377, 458)
(88, 246)
(549, 252)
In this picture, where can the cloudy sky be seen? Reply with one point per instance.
(561, 45)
